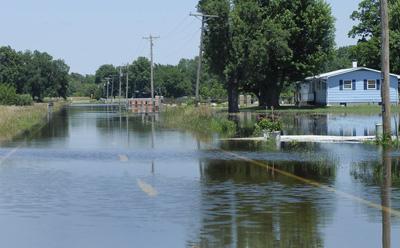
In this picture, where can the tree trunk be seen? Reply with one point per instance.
(269, 96)
(233, 96)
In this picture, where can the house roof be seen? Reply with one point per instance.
(344, 71)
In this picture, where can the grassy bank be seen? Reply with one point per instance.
(202, 120)
(17, 120)
(356, 109)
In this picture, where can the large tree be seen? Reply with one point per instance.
(139, 77)
(368, 31)
(222, 47)
(261, 46)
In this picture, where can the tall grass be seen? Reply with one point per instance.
(354, 109)
(201, 120)
(15, 120)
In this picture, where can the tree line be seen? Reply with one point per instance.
(34, 73)
(254, 46)
(38, 75)
(171, 81)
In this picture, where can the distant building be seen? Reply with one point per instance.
(357, 85)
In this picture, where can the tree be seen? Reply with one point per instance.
(262, 46)
(341, 58)
(222, 48)
(171, 82)
(139, 76)
(368, 31)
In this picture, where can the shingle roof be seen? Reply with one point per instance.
(343, 71)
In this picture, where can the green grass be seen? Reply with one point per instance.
(201, 120)
(356, 109)
(15, 120)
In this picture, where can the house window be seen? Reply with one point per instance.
(371, 85)
(347, 85)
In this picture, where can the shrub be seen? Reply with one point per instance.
(269, 125)
(7, 94)
(24, 100)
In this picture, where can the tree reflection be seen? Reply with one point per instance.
(245, 205)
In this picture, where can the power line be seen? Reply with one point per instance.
(177, 27)
(183, 44)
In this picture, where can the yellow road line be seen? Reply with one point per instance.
(8, 155)
(147, 188)
(319, 185)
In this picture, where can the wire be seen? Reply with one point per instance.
(175, 28)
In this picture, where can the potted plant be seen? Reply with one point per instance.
(270, 128)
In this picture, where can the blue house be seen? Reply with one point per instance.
(357, 85)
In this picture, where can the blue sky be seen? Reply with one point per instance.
(89, 33)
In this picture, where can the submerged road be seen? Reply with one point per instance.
(94, 177)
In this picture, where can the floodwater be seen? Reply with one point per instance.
(93, 177)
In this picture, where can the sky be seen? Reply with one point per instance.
(89, 33)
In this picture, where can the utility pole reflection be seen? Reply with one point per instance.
(386, 198)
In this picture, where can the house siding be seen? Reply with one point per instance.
(358, 95)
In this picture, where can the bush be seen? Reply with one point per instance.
(269, 125)
(24, 100)
(8, 96)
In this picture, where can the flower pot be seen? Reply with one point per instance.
(276, 135)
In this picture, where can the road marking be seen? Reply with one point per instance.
(123, 158)
(318, 185)
(147, 188)
(8, 155)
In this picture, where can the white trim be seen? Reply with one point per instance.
(376, 84)
(344, 71)
(351, 84)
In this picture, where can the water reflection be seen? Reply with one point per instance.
(386, 199)
(320, 124)
(69, 180)
(245, 205)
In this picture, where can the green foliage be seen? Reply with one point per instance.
(171, 82)
(8, 96)
(263, 46)
(341, 58)
(269, 125)
(368, 30)
(201, 120)
(34, 73)
(139, 77)
(24, 100)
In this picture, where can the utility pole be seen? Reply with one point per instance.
(151, 39)
(127, 82)
(108, 85)
(112, 88)
(386, 111)
(120, 82)
(120, 90)
(200, 58)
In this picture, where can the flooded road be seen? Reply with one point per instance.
(94, 177)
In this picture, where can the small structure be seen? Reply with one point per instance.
(357, 85)
(145, 105)
(245, 100)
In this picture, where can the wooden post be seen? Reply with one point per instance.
(386, 112)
